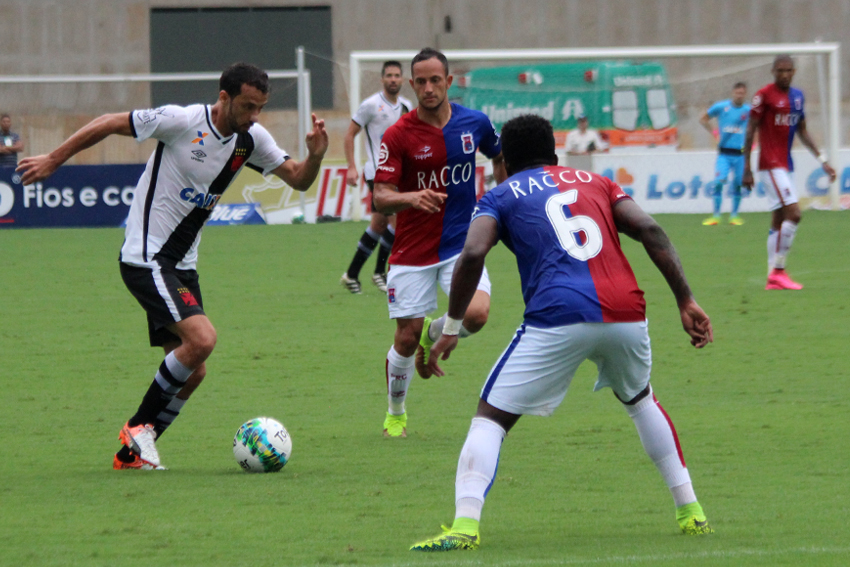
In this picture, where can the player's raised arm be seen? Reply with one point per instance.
(482, 236)
(38, 168)
(635, 223)
(300, 175)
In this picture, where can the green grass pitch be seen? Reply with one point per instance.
(762, 414)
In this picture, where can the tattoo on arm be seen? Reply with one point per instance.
(664, 256)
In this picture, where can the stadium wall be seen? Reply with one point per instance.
(113, 36)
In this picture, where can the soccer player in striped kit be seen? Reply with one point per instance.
(426, 175)
(778, 113)
(582, 303)
(200, 150)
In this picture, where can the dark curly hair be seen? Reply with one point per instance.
(528, 141)
(240, 74)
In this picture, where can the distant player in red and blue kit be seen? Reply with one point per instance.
(777, 112)
(426, 174)
(582, 303)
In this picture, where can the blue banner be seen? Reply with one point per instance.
(76, 195)
(241, 213)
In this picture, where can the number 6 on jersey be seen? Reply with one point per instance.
(567, 228)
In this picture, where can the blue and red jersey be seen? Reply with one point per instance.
(416, 156)
(559, 224)
(779, 113)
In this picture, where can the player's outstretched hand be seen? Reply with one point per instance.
(35, 168)
(444, 346)
(317, 138)
(428, 200)
(696, 323)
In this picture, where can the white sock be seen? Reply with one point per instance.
(477, 466)
(436, 329)
(399, 375)
(785, 239)
(772, 239)
(662, 445)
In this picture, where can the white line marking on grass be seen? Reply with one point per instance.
(634, 559)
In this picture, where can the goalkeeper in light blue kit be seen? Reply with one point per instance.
(732, 115)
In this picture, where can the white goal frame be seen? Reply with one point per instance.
(831, 50)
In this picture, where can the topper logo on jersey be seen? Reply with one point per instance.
(423, 153)
(468, 143)
(199, 199)
(455, 174)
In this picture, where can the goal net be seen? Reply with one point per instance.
(646, 103)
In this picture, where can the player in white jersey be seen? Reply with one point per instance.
(200, 150)
(375, 115)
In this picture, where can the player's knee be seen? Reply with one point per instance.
(201, 344)
(406, 341)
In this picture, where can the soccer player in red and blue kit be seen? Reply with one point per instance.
(777, 112)
(426, 174)
(582, 303)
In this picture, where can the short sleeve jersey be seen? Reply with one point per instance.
(559, 224)
(732, 123)
(416, 156)
(780, 113)
(183, 180)
(375, 115)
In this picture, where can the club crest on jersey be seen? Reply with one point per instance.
(187, 296)
(199, 199)
(468, 143)
(200, 139)
(238, 159)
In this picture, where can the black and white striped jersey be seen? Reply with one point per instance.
(375, 115)
(184, 178)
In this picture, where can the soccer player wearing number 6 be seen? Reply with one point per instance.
(582, 303)
(778, 113)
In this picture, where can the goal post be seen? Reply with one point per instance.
(830, 97)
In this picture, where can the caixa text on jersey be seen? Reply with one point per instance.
(199, 199)
(38, 196)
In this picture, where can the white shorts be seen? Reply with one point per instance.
(412, 290)
(532, 375)
(778, 188)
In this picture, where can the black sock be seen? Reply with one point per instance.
(365, 247)
(387, 240)
(169, 380)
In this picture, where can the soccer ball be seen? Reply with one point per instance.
(262, 445)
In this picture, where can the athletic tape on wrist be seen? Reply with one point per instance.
(452, 326)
